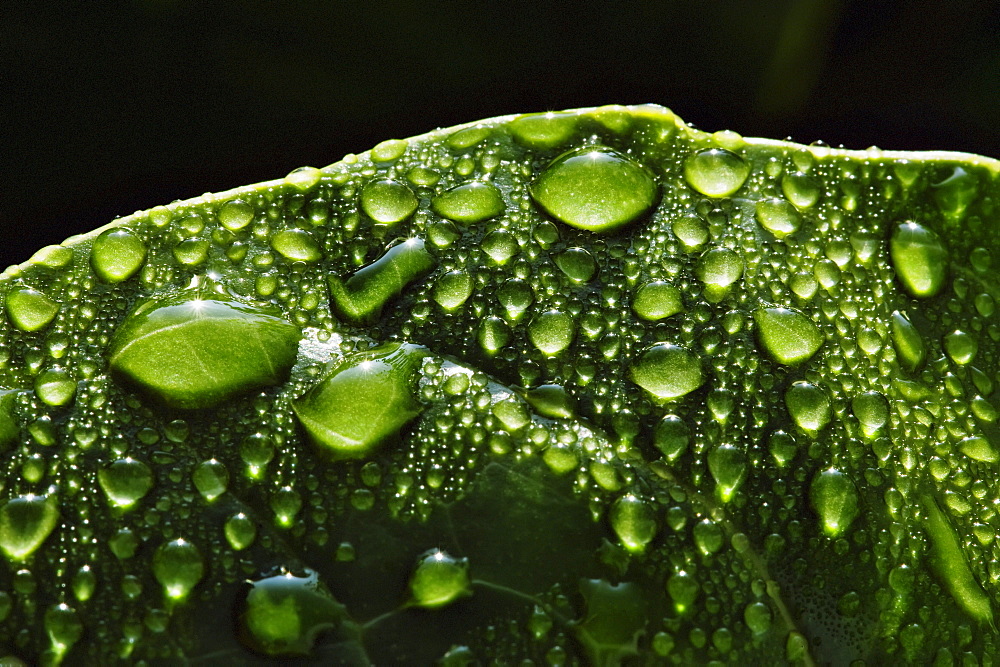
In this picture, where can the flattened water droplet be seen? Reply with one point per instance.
(362, 296)
(908, 342)
(181, 349)
(667, 371)
(919, 258)
(577, 264)
(552, 332)
(284, 615)
(657, 300)
(979, 449)
(543, 130)
(30, 310)
(728, 465)
(296, 245)
(778, 216)
(25, 522)
(178, 566)
(116, 255)
(788, 336)
(388, 201)
(672, 436)
(835, 498)
(595, 189)
(125, 482)
(469, 203)
(809, 406)
(634, 522)
(439, 579)
(389, 150)
(716, 172)
(362, 401)
(961, 347)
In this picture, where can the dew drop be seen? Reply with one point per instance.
(690, 230)
(178, 566)
(500, 245)
(716, 172)
(577, 264)
(388, 201)
(728, 465)
(787, 335)
(125, 482)
(55, 387)
(672, 436)
(452, 290)
(493, 335)
(235, 214)
(708, 536)
(296, 245)
(63, 626)
(25, 522)
(683, 590)
(303, 178)
(872, 411)
(667, 371)
(961, 347)
(800, 189)
(809, 407)
(211, 478)
(552, 332)
(719, 268)
(919, 259)
(439, 580)
(543, 130)
(363, 295)
(954, 194)
(634, 522)
(778, 216)
(657, 300)
(469, 203)
(908, 342)
(979, 449)
(595, 189)
(240, 531)
(835, 499)
(116, 255)
(758, 617)
(30, 310)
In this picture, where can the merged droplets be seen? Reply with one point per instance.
(361, 296)
(716, 172)
(595, 189)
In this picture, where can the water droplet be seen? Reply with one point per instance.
(683, 590)
(788, 336)
(800, 189)
(240, 531)
(595, 189)
(53, 257)
(954, 194)
(493, 335)
(84, 583)
(919, 259)
(511, 413)
(453, 289)
(211, 478)
(835, 499)
(388, 201)
(362, 400)
(362, 296)
(708, 536)
(667, 371)
(25, 522)
(634, 522)
(719, 268)
(116, 255)
(979, 449)
(961, 347)
(728, 465)
(560, 459)
(296, 245)
(515, 296)
(672, 436)
(63, 626)
(778, 216)
(30, 310)
(303, 178)
(809, 406)
(551, 400)
(577, 263)
(389, 150)
(872, 411)
(500, 245)
(657, 300)
(284, 615)
(908, 342)
(552, 332)
(191, 252)
(543, 131)
(181, 349)
(758, 617)
(235, 214)
(469, 203)
(716, 172)
(690, 230)
(55, 387)
(439, 580)
(286, 503)
(125, 482)
(178, 566)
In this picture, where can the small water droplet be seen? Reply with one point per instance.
(800, 189)
(595, 189)
(961, 347)
(30, 310)
(954, 194)
(211, 478)
(672, 436)
(303, 178)
(240, 531)
(235, 214)
(55, 386)
(716, 172)
(719, 268)
(452, 289)
(296, 245)
(577, 264)
(683, 590)
(872, 411)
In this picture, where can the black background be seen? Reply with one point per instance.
(107, 108)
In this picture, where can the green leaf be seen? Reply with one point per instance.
(587, 386)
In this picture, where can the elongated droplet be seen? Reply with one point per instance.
(908, 342)
(363, 295)
(469, 202)
(919, 258)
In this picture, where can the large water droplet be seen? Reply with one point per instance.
(657, 300)
(362, 400)
(452, 290)
(10, 429)
(235, 214)
(634, 522)
(872, 411)
(125, 482)
(178, 566)
(728, 465)
(388, 201)
(719, 268)
(552, 332)
(919, 258)
(961, 347)
(809, 406)
(240, 531)
(439, 580)
(788, 336)
(683, 590)
(835, 499)
(800, 189)
(979, 449)
(577, 264)
(595, 188)
(181, 349)
(667, 371)
(211, 478)
(469, 203)
(362, 296)
(63, 626)
(30, 310)
(116, 255)
(55, 386)
(25, 522)
(284, 615)
(716, 172)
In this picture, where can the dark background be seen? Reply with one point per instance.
(107, 108)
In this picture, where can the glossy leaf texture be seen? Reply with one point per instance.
(588, 387)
